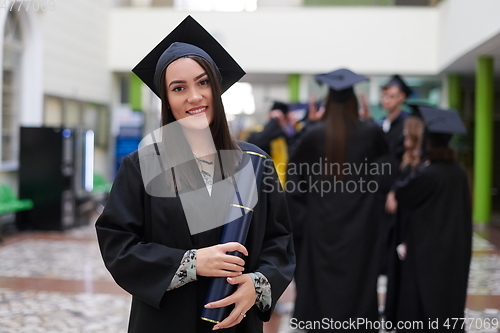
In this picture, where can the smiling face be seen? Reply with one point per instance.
(189, 93)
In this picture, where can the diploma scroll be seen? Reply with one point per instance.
(239, 216)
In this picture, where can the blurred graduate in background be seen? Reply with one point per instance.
(273, 137)
(413, 132)
(335, 235)
(278, 135)
(394, 94)
(432, 281)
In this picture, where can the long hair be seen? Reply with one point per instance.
(340, 118)
(218, 128)
(438, 148)
(414, 132)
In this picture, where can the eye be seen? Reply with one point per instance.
(178, 88)
(204, 82)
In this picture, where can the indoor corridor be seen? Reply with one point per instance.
(56, 282)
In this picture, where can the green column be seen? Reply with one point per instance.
(483, 141)
(294, 87)
(135, 91)
(455, 92)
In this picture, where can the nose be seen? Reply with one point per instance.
(194, 96)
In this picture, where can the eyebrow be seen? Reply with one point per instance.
(182, 81)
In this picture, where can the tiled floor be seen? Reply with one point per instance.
(56, 282)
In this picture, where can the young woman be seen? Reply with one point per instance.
(432, 281)
(337, 266)
(150, 240)
(413, 132)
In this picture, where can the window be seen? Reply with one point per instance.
(103, 124)
(53, 112)
(11, 70)
(124, 89)
(71, 113)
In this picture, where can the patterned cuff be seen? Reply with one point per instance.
(262, 290)
(186, 272)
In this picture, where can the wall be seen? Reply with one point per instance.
(465, 25)
(75, 36)
(371, 40)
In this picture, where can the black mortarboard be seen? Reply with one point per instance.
(277, 105)
(397, 81)
(341, 83)
(188, 38)
(439, 120)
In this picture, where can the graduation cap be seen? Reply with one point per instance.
(397, 81)
(188, 38)
(277, 105)
(440, 124)
(439, 120)
(341, 83)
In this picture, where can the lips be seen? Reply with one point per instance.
(197, 110)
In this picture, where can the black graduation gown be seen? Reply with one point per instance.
(434, 275)
(143, 238)
(337, 267)
(398, 236)
(262, 139)
(395, 141)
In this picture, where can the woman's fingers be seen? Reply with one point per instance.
(234, 246)
(243, 299)
(215, 260)
(221, 303)
(234, 260)
(232, 267)
(234, 318)
(237, 280)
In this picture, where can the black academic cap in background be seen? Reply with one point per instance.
(341, 83)
(439, 120)
(397, 81)
(187, 39)
(277, 105)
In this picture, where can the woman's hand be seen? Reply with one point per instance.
(401, 250)
(214, 260)
(279, 116)
(364, 111)
(243, 299)
(314, 113)
(391, 204)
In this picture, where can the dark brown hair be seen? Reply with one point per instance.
(438, 148)
(218, 126)
(414, 130)
(339, 118)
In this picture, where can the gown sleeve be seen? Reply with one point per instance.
(381, 145)
(144, 269)
(277, 257)
(414, 189)
(262, 291)
(271, 131)
(186, 272)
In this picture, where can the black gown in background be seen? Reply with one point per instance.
(272, 130)
(398, 236)
(433, 278)
(337, 266)
(395, 142)
(143, 238)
